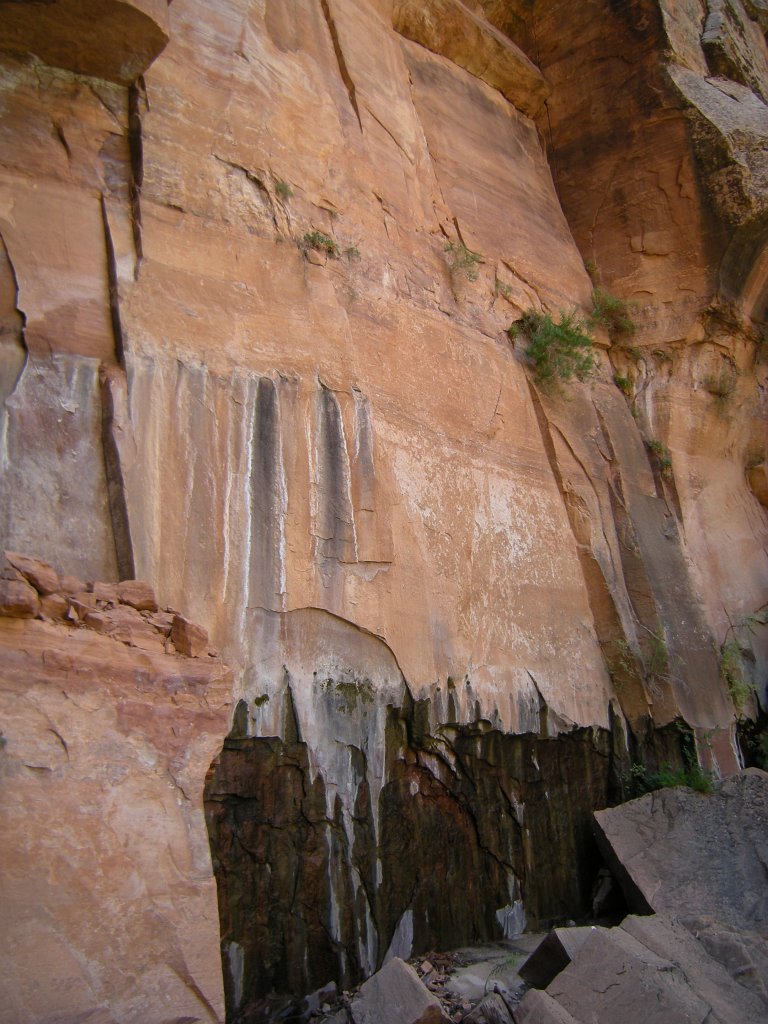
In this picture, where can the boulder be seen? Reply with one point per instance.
(18, 600)
(492, 1010)
(616, 978)
(395, 995)
(41, 575)
(137, 594)
(189, 639)
(706, 853)
(540, 1008)
(553, 955)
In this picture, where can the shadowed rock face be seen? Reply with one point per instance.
(469, 825)
(112, 39)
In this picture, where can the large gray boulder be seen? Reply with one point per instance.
(651, 970)
(680, 851)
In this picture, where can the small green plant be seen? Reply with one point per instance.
(635, 352)
(283, 189)
(559, 351)
(657, 662)
(624, 384)
(612, 313)
(463, 260)
(732, 671)
(638, 780)
(322, 243)
(660, 450)
(503, 289)
(352, 252)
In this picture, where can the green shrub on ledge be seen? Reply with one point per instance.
(612, 313)
(322, 243)
(463, 260)
(559, 351)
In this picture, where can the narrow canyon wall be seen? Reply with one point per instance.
(244, 357)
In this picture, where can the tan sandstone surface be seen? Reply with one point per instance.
(240, 358)
(109, 904)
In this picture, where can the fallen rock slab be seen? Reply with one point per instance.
(41, 575)
(540, 1008)
(650, 969)
(704, 853)
(669, 938)
(395, 995)
(553, 955)
(616, 978)
(492, 1010)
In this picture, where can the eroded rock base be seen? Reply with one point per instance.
(474, 834)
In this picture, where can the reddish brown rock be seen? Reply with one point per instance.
(105, 593)
(187, 638)
(41, 575)
(137, 594)
(54, 606)
(452, 29)
(395, 995)
(126, 625)
(18, 599)
(104, 848)
(112, 39)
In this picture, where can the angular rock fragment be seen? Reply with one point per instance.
(538, 1007)
(188, 638)
(54, 606)
(395, 995)
(553, 955)
(668, 937)
(106, 593)
(18, 600)
(492, 1010)
(41, 575)
(744, 954)
(704, 853)
(125, 624)
(137, 594)
(616, 978)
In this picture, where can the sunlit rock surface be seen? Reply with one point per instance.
(243, 356)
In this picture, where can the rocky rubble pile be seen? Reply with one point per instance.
(125, 611)
(419, 992)
(694, 864)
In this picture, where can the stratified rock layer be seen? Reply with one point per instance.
(253, 349)
(109, 901)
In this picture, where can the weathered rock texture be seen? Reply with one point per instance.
(702, 854)
(649, 969)
(109, 901)
(237, 360)
(700, 861)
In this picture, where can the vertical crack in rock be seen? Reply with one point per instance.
(114, 426)
(13, 347)
(611, 632)
(113, 286)
(267, 502)
(136, 96)
(343, 69)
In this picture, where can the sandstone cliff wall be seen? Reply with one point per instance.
(237, 361)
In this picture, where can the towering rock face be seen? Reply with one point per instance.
(253, 307)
